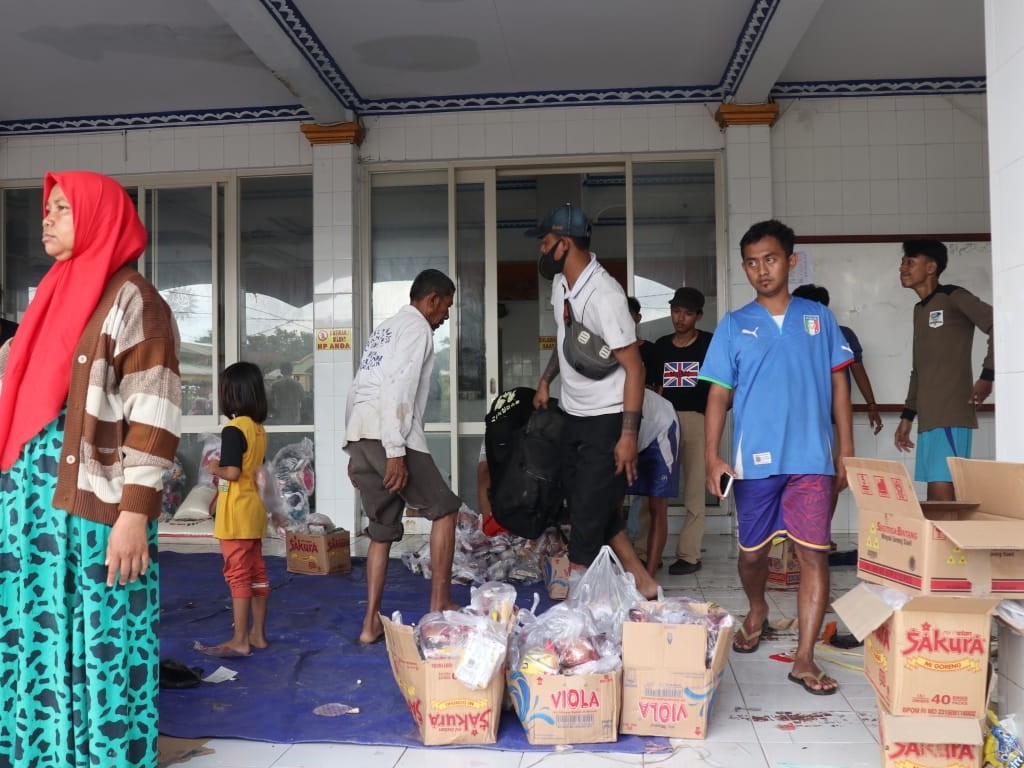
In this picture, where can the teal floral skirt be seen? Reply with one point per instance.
(79, 661)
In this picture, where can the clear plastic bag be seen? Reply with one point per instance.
(607, 591)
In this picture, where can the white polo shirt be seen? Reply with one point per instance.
(598, 302)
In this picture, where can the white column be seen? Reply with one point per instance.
(1004, 58)
(748, 186)
(336, 294)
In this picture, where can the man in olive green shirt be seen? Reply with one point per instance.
(942, 393)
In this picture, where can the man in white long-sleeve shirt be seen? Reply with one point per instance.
(389, 460)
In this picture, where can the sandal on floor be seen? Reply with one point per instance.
(751, 640)
(802, 678)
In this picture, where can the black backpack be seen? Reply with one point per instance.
(524, 458)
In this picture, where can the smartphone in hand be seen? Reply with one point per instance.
(725, 483)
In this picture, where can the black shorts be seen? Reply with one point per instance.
(593, 492)
(426, 491)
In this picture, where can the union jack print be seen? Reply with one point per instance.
(680, 374)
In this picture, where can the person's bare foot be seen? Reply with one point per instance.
(372, 633)
(258, 642)
(448, 606)
(228, 650)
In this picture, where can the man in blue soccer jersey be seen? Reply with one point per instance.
(779, 361)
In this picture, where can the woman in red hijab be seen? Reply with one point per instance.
(90, 410)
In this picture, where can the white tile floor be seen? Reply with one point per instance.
(761, 720)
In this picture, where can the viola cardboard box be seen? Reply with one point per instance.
(971, 547)
(318, 554)
(930, 657)
(567, 709)
(930, 742)
(783, 567)
(445, 711)
(668, 688)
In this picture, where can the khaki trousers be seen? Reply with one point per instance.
(691, 424)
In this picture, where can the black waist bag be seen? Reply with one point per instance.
(524, 461)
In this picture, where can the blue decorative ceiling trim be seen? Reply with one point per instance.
(485, 101)
(294, 24)
(749, 39)
(919, 87)
(179, 118)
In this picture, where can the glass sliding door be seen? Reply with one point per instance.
(654, 228)
(526, 326)
(475, 320)
(185, 238)
(275, 291)
(674, 239)
(409, 232)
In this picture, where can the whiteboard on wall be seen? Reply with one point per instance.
(863, 282)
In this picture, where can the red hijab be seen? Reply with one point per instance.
(108, 235)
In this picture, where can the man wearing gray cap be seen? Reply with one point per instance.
(602, 390)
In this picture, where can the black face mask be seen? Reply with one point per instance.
(548, 265)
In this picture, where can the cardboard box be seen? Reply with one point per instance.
(318, 554)
(445, 711)
(930, 657)
(567, 709)
(930, 742)
(556, 576)
(783, 567)
(667, 687)
(973, 547)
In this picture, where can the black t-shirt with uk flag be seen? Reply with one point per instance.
(680, 367)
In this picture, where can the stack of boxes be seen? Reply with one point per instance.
(947, 564)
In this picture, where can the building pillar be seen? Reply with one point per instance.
(748, 184)
(1004, 59)
(337, 290)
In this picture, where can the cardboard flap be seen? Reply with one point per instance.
(862, 611)
(948, 506)
(991, 534)
(930, 730)
(882, 486)
(997, 485)
(399, 638)
(675, 647)
(970, 606)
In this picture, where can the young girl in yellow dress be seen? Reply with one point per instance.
(241, 521)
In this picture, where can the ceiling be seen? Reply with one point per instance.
(113, 64)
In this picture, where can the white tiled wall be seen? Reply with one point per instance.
(546, 132)
(157, 150)
(906, 164)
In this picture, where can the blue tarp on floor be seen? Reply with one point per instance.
(314, 659)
